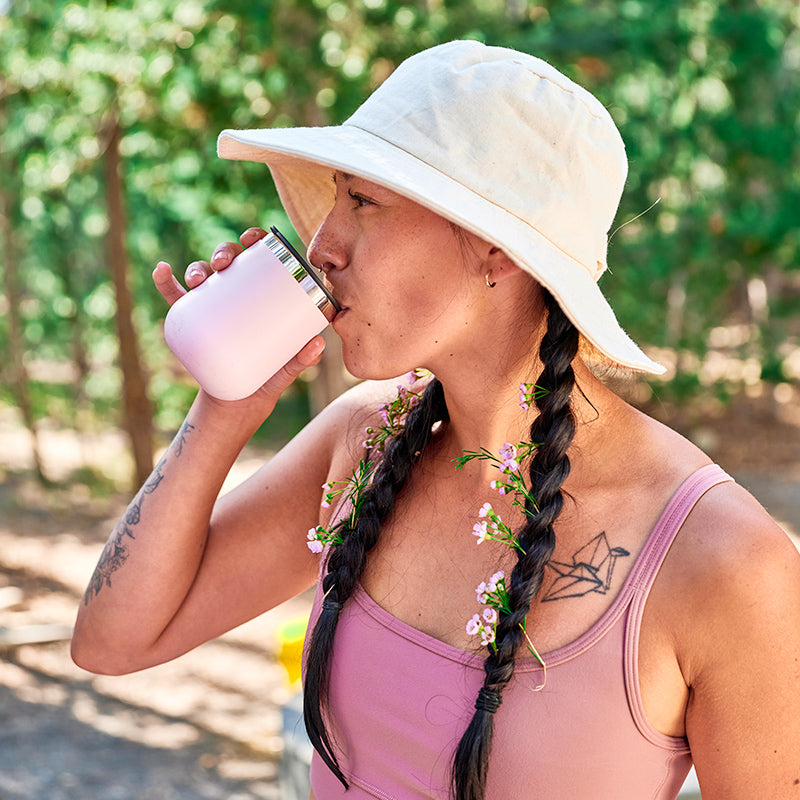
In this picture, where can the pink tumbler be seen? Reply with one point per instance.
(241, 325)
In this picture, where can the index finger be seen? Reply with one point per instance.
(167, 283)
(251, 236)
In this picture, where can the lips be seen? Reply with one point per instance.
(339, 302)
(339, 314)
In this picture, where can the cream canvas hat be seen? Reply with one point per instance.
(497, 141)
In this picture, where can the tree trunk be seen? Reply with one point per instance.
(20, 381)
(137, 411)
(68, 269)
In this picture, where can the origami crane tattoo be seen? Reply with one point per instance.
(591, 570)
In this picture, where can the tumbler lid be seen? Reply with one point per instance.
(302, 272)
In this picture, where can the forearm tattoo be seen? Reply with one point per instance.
(116, 551)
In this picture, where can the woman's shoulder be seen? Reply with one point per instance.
(728, 532)
(349, 419)
(360, 406)
(368, 396)
(730, 568)
(729, 535)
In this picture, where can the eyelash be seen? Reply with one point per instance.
(359, 199)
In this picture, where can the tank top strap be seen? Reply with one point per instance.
(669, 523)
(641, 581)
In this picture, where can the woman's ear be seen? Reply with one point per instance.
(499, 266)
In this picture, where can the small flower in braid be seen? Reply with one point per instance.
(553, 430)
(351, 539)
(393, 417)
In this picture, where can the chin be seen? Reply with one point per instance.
(373, 369)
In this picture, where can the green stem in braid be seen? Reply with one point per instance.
(351, 541)
(553, 429)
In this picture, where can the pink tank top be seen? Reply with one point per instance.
(401, 699)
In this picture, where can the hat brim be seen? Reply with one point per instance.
(301, 161)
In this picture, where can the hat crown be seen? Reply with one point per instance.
(514, 130)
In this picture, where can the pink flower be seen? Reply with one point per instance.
(474, 625)
(481, 592)
(315, 545)
(487, 636)
(479, 529)
(491, 585)
(485, 510)
(489, 615)
(508, 452)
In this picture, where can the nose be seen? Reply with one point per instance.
(326, 250)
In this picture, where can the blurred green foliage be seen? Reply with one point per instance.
(706, 92)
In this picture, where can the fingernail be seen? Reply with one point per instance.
(218, 256)
(195, 272)
(317, 346)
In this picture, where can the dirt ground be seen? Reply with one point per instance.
(207, 725)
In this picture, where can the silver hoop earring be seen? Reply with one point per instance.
(490, 284)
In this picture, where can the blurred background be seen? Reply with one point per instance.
(109, 113)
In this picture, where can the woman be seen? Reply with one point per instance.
(636, 610)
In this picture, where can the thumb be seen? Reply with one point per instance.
(287, 374)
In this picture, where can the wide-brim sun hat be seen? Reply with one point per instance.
(495, 140)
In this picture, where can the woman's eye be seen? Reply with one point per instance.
(359, 199)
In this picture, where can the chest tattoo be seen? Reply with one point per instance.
(591, 570)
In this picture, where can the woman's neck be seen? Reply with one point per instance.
(487, 413)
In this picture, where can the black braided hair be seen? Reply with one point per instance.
(347, 560)
(554, 429)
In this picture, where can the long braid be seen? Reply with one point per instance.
(553, 429)
(347, 560)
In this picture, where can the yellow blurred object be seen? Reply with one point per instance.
(290, 638)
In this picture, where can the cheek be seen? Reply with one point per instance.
(424, 284)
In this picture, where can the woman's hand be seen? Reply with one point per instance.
(224, 253)
(197, 272)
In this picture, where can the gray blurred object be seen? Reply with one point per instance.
(296, 759)
(690, 789)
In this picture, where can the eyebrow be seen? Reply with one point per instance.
(345, 175)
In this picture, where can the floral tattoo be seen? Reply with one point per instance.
(117, 549)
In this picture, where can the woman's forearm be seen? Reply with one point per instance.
(154, 553)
